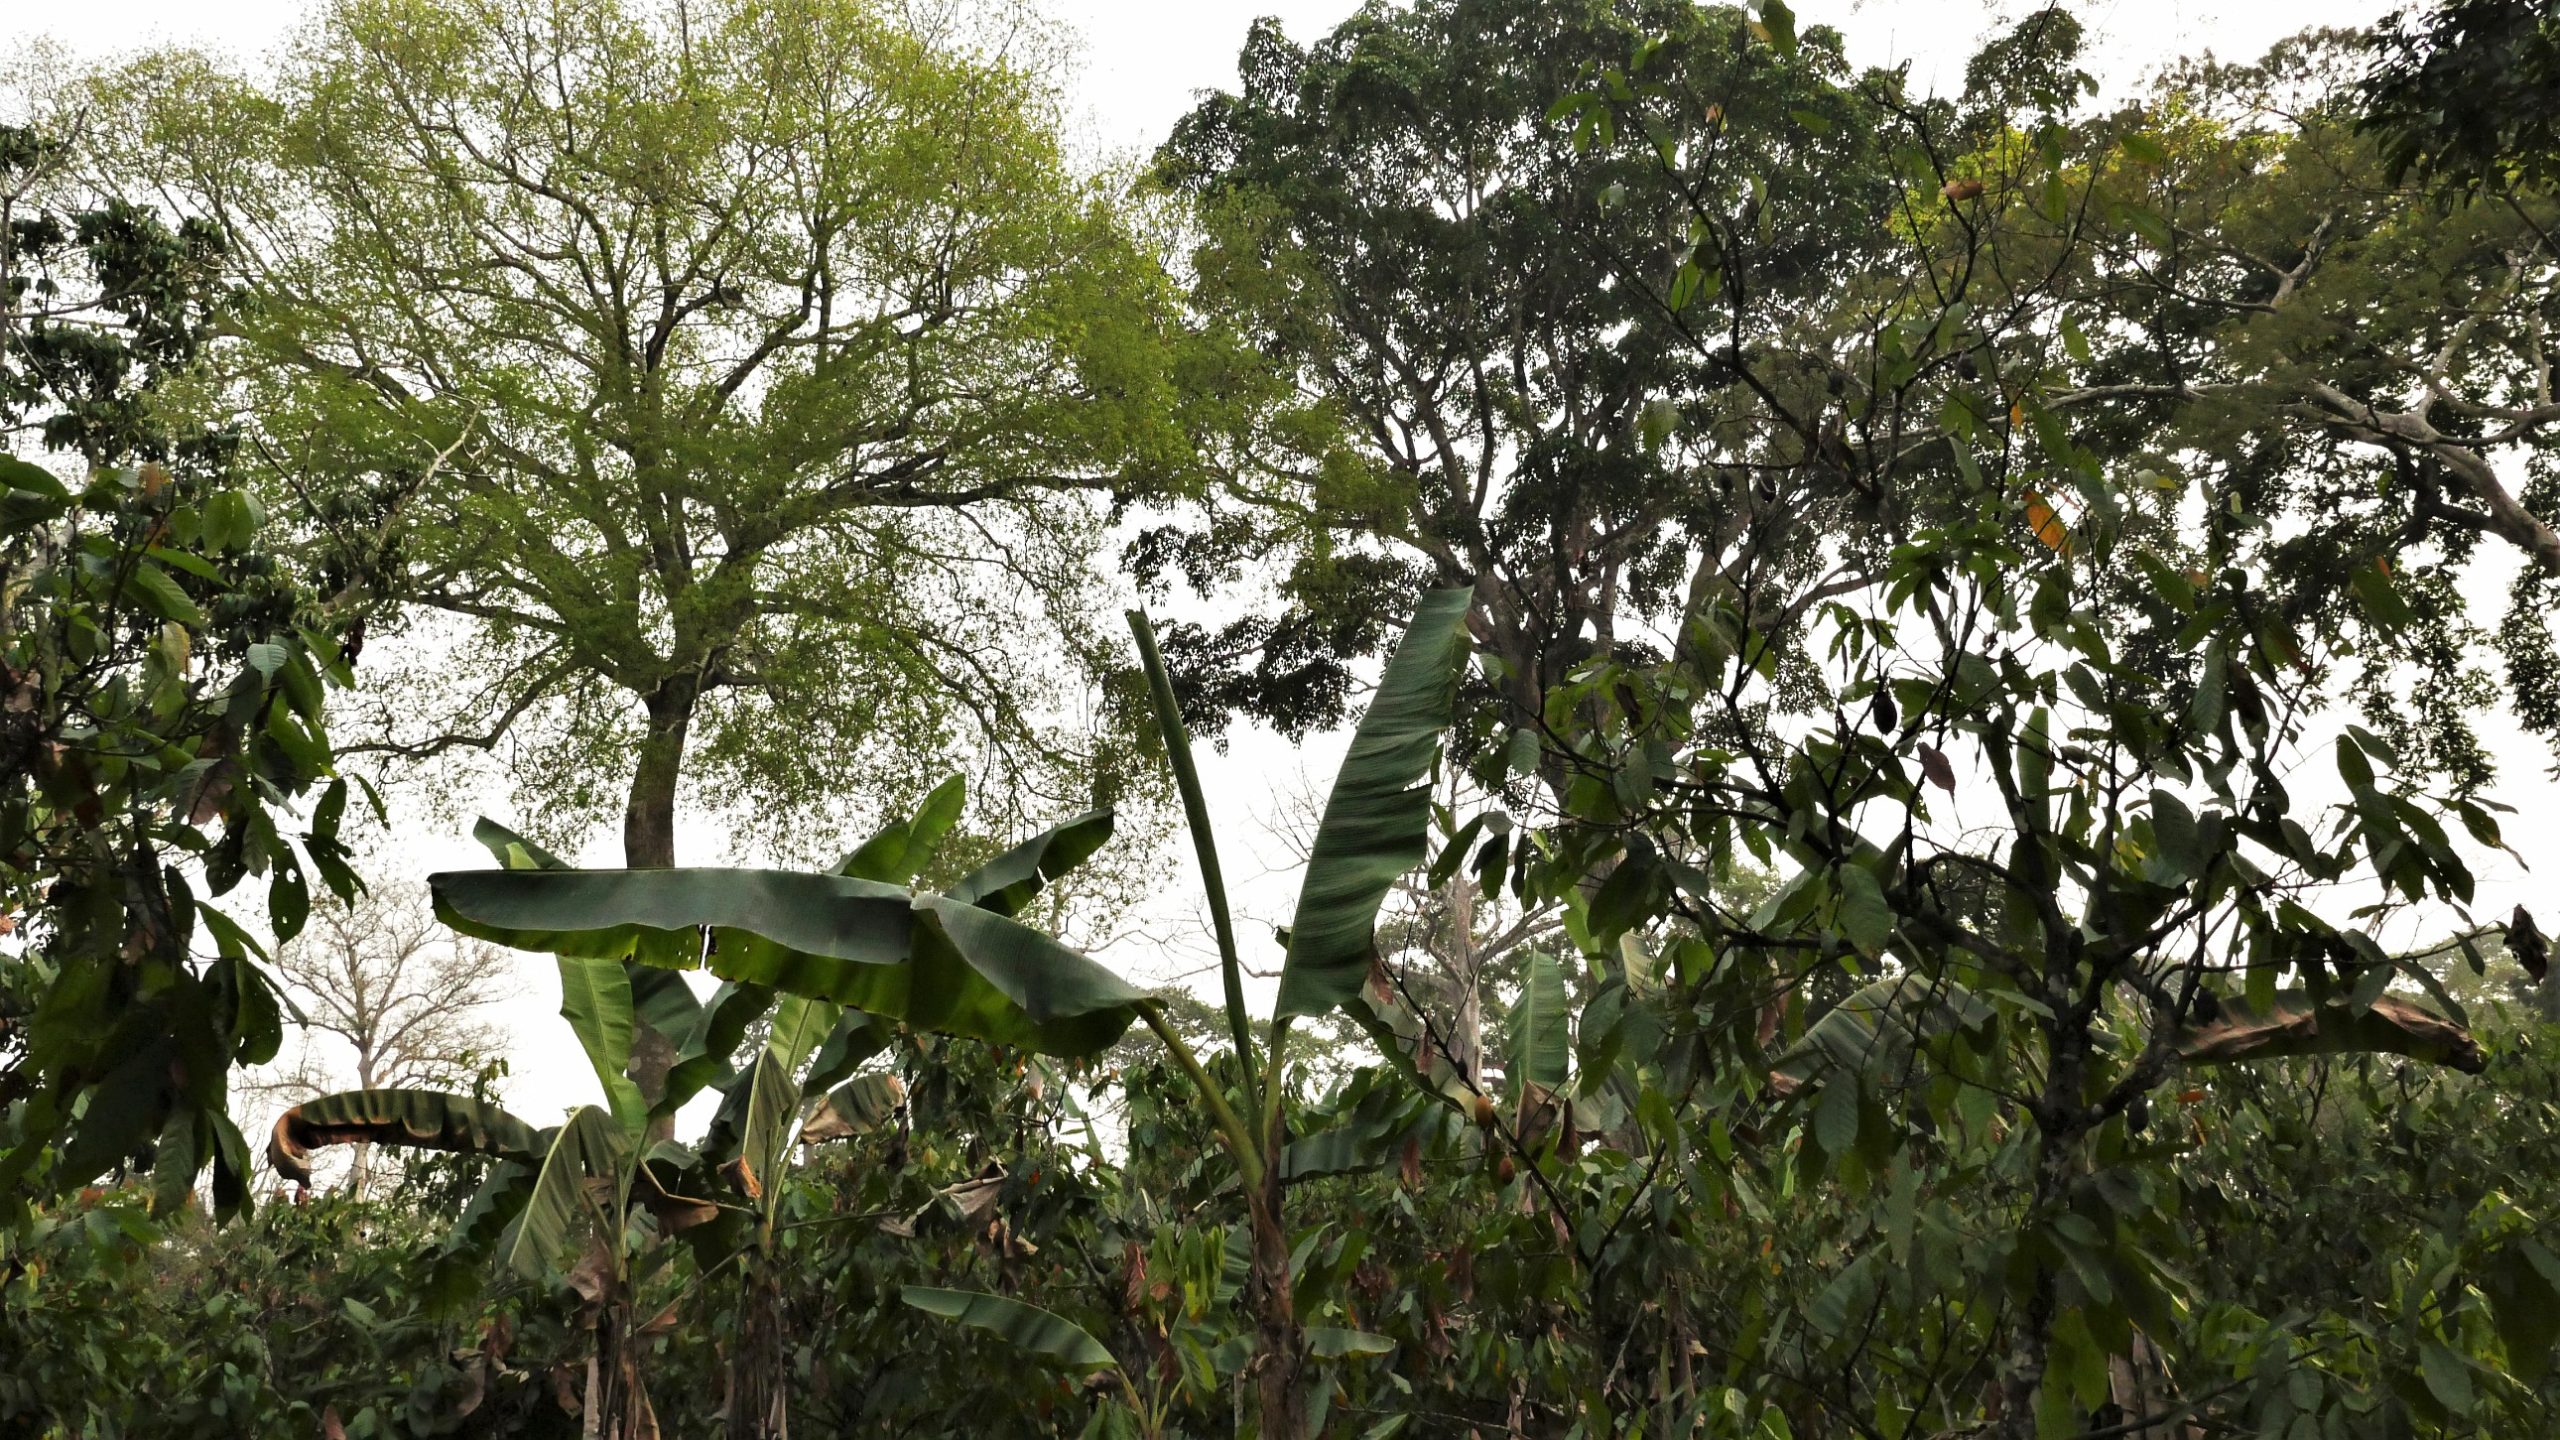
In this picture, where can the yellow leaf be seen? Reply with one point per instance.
(2048, 526)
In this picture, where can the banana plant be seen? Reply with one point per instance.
(1375, 828)
(841, 958)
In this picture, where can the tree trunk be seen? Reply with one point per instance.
(2057, 1157)
(649, 843)
(649, 816)
(1279, 1391)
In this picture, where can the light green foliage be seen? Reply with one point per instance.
(742, 376)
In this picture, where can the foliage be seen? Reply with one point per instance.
(164, 672)
(1902, 887)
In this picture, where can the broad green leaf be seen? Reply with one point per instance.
(857, 1037)
(1865, 917)
(800, 1026)
(903, 848)
(703, 1059)
(1376, 823)
(1541, 1043)
(925, 960)
(162, 596)
(773, 1104)
(513, 850)
(595, 998)
(1009, 881)
(590, 1146)
(1329, 1342)
(1878, 1030)
(1027, 1328)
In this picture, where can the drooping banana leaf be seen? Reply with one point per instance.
(857, 1038)
(903, 848)
(929, 961)
(856, 1107)
(1878, 1030)
(1009, 881)
(1027, 1328)
(2297, 1026)
(406, 1119)
(1377, 819)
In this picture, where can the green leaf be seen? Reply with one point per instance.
(1204, 845)
(857, 1107)
(1865, 917)
(1778, 24)
(1027, 1328)
(595, 998)
(1327, 1342)
(703, 1059)
(1878, 1030)
(773, 1105)
(2143, 150)
(1540, 1045)
(2448, 1377)
(513, 850)
(1377, 820)
(403, 1119)
(1835, 1116)
(162, 597)
(1009, 881)
(903, 848)
(590, 1146)
(925, 960)
(800, 1025)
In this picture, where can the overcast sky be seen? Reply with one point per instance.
(1143, 62)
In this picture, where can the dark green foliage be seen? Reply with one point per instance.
(162, 683)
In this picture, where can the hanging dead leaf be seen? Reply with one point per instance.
(2048, 527)
(2525, 942)
(1959, 191)
(1933, 763)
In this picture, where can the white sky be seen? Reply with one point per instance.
(1144, 61)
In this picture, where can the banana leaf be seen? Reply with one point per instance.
(1009, 881)
(1027, 1328)
(1878, 1031)
(404, 1119)
(2296, 1026)
(1377, 819)
(856, 1107)
(930, 961)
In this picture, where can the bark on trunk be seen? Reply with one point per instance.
(1279, 1398)
(2031, 1341)
(649, 843)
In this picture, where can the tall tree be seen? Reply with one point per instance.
(744, 374)
(1618, 306)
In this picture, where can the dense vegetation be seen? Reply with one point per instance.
(1919, 736)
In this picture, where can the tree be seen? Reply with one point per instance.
(380, 975)
(162, 674)
(1600, 354)
(741, 374)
